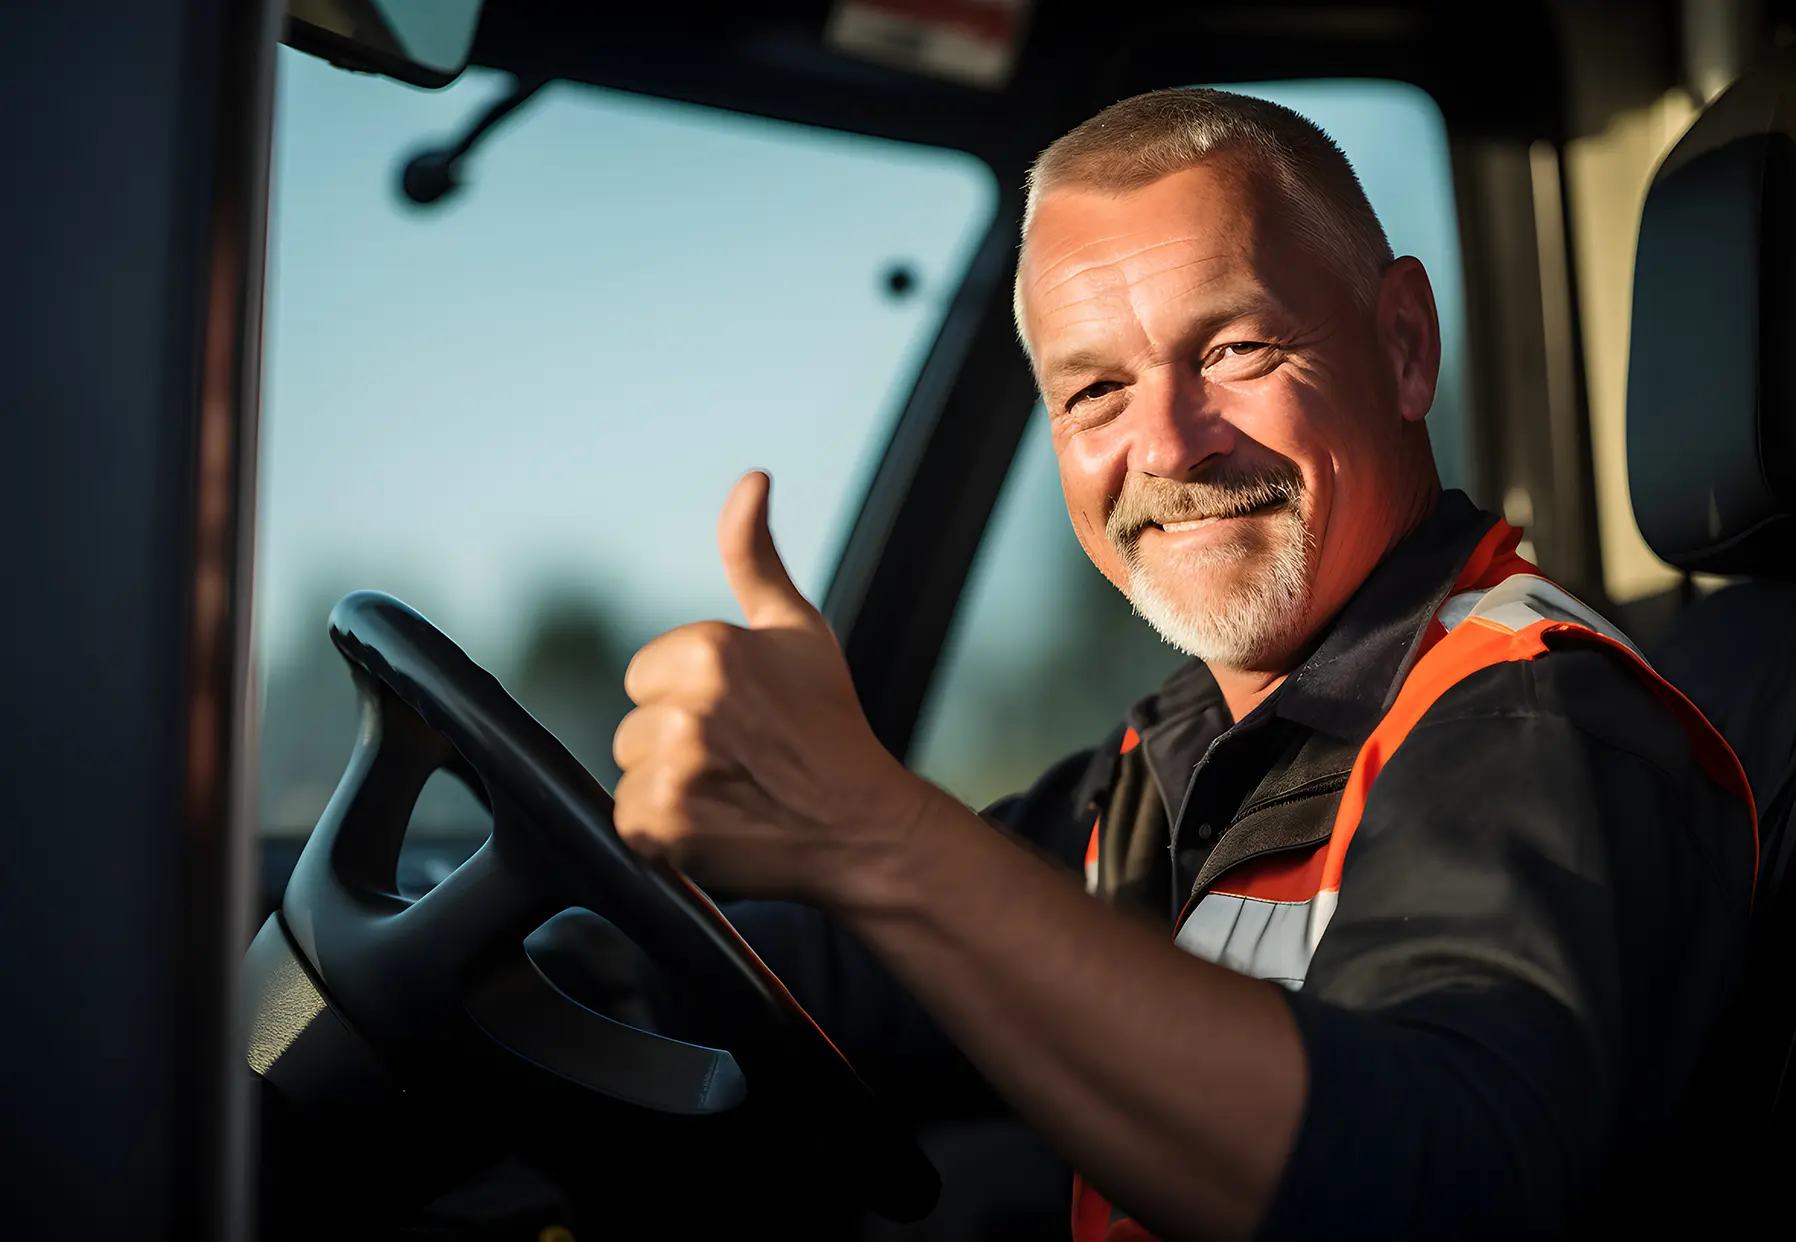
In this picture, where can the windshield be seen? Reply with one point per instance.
(520, 409)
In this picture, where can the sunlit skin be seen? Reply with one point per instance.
(1175, 1086)
(1180, 325)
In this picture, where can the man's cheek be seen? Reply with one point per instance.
(1089, 485)
(1109, 561)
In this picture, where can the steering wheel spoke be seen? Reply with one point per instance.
(518, 1006)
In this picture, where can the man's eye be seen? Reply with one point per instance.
(1241, 359)
(1102, 388)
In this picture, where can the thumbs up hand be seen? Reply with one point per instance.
(748, 761)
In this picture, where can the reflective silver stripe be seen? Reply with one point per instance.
(1251, 936)
(1520, 600)
(1322, 909)
(1458, 607)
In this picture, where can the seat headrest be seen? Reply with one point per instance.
(1712, 360)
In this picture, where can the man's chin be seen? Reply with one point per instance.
(1202, 580)
(1238, 622)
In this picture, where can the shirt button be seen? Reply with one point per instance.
(1205, 832)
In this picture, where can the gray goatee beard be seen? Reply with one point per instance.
(1246, 623)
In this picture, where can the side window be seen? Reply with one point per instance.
(520, 410)
(1045, 655)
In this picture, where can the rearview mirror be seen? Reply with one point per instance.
(423, 42)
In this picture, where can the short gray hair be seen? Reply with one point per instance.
(1138, 141)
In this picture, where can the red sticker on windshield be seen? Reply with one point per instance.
(970, 41)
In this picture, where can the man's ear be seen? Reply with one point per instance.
(1410, 332)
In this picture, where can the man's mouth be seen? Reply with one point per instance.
(1174, 528)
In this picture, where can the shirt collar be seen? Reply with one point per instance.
(1350, 681)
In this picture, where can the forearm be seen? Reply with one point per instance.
(1175, 1086)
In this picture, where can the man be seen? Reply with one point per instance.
(1473, 1020)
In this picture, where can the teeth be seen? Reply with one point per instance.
(1175, 527)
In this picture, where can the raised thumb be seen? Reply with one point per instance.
(757, 576)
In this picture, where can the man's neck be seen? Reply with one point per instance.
(1245, 689)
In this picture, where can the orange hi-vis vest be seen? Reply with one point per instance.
(1265, 917)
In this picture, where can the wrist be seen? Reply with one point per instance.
(896, 837)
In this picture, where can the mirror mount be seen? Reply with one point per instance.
(420, 42)
(434, 173)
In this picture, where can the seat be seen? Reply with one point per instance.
(1712, 470)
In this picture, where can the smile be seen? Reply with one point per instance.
(1173, 528)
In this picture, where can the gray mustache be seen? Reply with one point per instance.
(1148, 502)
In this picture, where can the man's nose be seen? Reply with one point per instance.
(1176, 426)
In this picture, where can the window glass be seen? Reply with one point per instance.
(1045, 655)
(520, 410)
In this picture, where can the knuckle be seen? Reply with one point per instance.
(714, 653)
(630, 723)
(689, 734)
(636, 674)
(668, 794)
(705, 664)
(626, 743)
(642, 814)
(666, 736)
(697, 659)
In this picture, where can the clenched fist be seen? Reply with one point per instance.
(748, 761)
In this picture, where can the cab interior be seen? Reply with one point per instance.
(495, 341)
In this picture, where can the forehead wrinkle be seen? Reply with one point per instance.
(1107, 285)
(1123, 261)
(1114, 272)
(1099, 310)
(1223, 298)
(1102, 279)
(1091, 320)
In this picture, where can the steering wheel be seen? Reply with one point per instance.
(375, 1014)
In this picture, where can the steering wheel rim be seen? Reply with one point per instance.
(402, 972)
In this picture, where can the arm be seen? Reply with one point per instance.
(1174, 1085)
(1563, 941)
